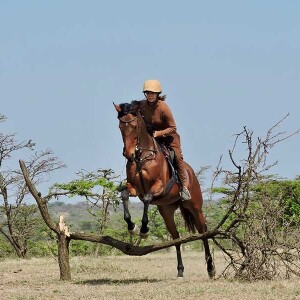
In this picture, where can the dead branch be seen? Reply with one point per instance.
(126, 248)
(41, 202)
(133, 250)
(253, 233)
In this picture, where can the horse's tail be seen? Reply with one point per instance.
(189, 219)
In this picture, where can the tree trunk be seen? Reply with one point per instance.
(63, 257)
(63, 250)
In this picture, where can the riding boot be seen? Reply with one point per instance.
(185, 194)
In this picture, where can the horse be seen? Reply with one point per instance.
(149, 177)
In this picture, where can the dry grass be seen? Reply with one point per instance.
(121, 277)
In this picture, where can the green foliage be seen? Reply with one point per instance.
(100, 193)
(81, 248)
(117, 228)
(285, 193)
(83, 187)
(222, 190)
(157, 225)
(43, 242)
(25, 219)
(5, 248)
(265, 199)
(87, 226)
(215, 211)
(86, 184)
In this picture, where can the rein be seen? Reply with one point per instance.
(138, 150)
(141, 161)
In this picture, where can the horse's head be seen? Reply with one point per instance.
(128, 124)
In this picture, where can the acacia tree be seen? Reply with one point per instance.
(18, 218)
(99, 191)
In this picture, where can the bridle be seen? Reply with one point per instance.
(129, 121)
(137, 156)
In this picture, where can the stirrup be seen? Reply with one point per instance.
(185, 194)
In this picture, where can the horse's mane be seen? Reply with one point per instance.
(133, 107)
(129, 108)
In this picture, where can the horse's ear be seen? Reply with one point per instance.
(117, 107)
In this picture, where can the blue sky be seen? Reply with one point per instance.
(222, 64)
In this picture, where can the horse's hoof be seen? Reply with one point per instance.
(134, 231)
(212, 273)
(180, 275)
(144, 235)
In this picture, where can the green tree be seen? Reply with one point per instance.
(287, 195)
(100, 193)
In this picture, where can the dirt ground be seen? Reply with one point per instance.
(122, 277)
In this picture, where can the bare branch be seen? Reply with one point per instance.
(41, 202)
(249, 233)
(131, 249)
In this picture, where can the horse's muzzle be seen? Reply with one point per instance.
(132, 157)
(129, 157)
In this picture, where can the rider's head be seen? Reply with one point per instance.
(152, 90)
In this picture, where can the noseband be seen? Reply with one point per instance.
(129, 121)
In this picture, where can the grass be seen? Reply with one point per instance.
(122, 277)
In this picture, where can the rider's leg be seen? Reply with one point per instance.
(184, 193)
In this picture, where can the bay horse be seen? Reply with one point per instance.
(149, 177)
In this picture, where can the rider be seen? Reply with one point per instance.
(159, 118)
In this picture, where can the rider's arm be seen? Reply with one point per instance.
(168, 119)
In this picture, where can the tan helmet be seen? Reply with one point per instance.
(152, 85)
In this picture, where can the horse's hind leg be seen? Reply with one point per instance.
(209, 261)
(167, 212)
(132, 228)
(202, 228)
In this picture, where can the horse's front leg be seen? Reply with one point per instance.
(156, 190)
(132, 228)
(145, 229)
